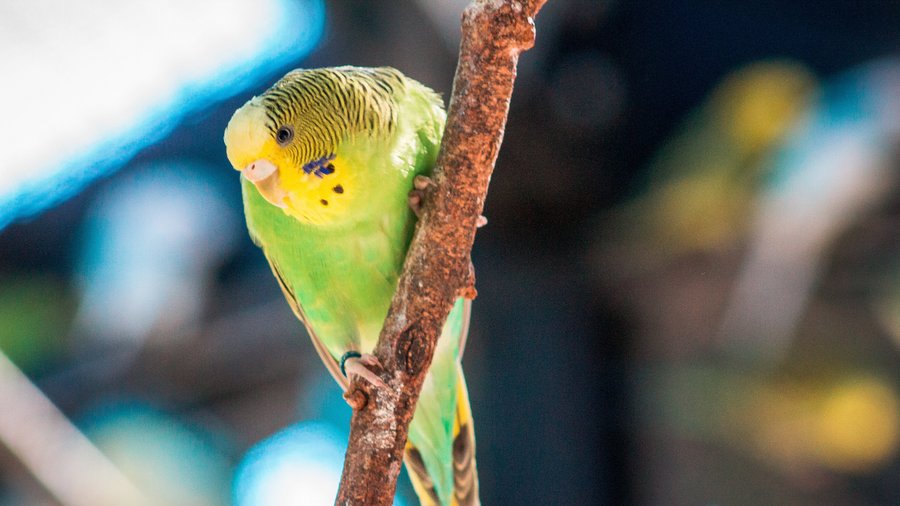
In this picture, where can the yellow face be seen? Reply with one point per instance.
(316, 191)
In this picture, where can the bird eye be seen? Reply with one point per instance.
(284, 135)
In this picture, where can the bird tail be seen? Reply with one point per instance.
(465, 475)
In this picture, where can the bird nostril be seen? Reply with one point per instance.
(253, 166)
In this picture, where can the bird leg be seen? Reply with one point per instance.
(417, 197)
(361, 365)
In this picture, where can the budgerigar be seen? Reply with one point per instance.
(328, 158)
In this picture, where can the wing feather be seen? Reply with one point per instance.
(330, 363)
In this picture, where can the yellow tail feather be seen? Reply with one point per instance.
(465, 474)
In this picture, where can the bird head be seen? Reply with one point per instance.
(284, 142)
(302, 143)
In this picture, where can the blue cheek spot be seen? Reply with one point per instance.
(321, 167)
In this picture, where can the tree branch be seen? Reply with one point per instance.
(438, 266)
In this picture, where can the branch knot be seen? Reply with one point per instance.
(356, 397)
(413, 349)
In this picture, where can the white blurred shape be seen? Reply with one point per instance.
(175, 463)
(89, 83)
(152, 241)
(446, 16)
(836, 165)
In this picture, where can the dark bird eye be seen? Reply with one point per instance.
(284, 135)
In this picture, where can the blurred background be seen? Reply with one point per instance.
(689, 289)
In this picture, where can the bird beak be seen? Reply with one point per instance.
(264, 175)
(259, 171)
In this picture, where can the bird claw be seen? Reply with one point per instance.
(361, 366)
(415, 203)
(422, 182)
(417, 194)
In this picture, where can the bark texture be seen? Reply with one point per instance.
(438, 266)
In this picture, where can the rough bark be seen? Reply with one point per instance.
(438, 265)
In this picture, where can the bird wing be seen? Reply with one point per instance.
(330, 363)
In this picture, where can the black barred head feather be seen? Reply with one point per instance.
(323, 107)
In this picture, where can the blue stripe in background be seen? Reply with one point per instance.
(301, 27)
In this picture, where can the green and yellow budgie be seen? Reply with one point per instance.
(328, 158)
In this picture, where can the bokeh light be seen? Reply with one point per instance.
(299, 466)
(95, 82)
(164, 457)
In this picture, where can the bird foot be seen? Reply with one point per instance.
(361, 365)
(417, 197)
